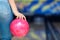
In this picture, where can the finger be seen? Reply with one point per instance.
(24, 17)
(20, 17)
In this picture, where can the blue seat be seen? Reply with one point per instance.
(46, 8)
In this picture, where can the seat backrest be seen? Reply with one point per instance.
(46, 7)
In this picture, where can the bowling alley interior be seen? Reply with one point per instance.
(43, 25)
(43, 17)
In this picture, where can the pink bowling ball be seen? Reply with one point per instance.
(19, 27)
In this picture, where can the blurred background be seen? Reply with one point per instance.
(37, 12)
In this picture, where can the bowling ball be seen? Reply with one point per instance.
(19, 27)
